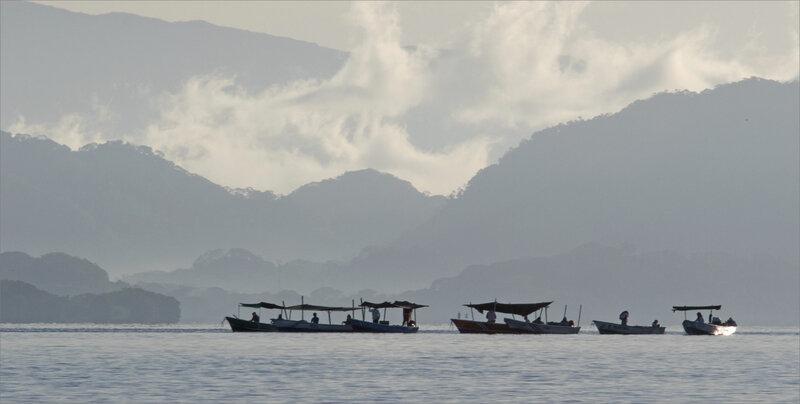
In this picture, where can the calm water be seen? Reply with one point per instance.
(87, 363)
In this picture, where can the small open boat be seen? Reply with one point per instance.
(408, 326)
(700, 327)
(241, 325)
(492, 327)
(615, 328)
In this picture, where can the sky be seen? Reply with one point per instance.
(435, 91)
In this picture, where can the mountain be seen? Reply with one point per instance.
(130, 210)
(715, 171)
(57, 273)
(21, 302)
(56, 63)
(754, 290)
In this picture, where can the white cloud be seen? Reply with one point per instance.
(287, 136)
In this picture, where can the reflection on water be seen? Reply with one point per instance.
(191, 363)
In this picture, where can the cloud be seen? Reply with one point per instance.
(542, 65)
(290, 135)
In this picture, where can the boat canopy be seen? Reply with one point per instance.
(262, 305)
(397, 303)
(521, 309)
(691, 308)
(312, 307)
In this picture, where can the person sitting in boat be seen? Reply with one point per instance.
(655, 323)
(376, 314)
(255, 318)
(624, 317)
(491, 316)
(280, 316)
(347, 321)
(700, 318)
(564, 321)
(315, 319)
(730, 323)
(716, 321)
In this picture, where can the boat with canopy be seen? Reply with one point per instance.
(408, 325)
(241, 325)
(714, 326)
(538, 326)
(466, 326)
(286, 324)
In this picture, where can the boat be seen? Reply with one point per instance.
(472, 326)
(241, 325)
(699, 327)
(408, 326)
(604, 327)
(538, 326)
(289, 325)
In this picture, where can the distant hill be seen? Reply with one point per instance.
(21, 302)
(755, 290)
(130, 210)
(102, 66)
(57, 273)
(715, 171)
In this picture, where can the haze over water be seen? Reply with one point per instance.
(136, 363)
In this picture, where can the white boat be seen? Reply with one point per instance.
(542, 328)
(538, 326)
(604, 327)
(700, 327)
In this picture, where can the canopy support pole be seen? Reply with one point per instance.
(302, 310)
(580, 308)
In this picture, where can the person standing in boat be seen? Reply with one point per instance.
(491, 316)
(700, 319)
(256, 319)
(376, 314)
(624, 317)
(407, 316)
(315, 319)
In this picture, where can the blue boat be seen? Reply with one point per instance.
(408, 326)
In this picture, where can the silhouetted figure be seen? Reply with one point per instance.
(347, 321)
(655, 323)
(623, 317)
(716, 321)
(564, 321)
(730, 323)
(406, 316)
(491, 316)
(255, 318)
(280, 316)
(315, 319)
(376, 314)
(700, 319)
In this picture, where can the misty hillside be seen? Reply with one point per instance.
(130, 210)
(56, 273)
(68, 63)
(710, 172)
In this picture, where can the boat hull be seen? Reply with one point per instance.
(613, 328)
(304, 326)
(694, 328)
(365, 326)
(535, 328)
(482, 327)
(239, 325)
